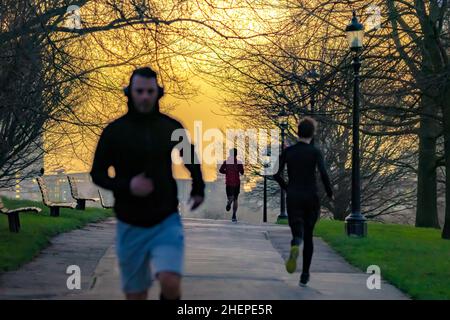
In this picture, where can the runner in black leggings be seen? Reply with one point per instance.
(303, 205)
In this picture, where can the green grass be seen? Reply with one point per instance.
(37, 229)
(415, 260)
(282, 221)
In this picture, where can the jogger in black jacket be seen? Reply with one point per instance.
(139, 146)
(303, 205)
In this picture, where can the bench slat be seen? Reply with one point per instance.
(46, 200)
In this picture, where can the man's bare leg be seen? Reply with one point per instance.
(170, 285)
(137, 296)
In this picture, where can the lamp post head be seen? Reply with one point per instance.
(312, 73)
(355, 33)
(283, 119)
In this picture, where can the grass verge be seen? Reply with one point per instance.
(415, 260)
(37, 229)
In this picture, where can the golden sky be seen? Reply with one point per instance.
(204, 106)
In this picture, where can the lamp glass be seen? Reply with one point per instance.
(355, 39)
(282, 118)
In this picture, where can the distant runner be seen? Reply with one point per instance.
(232, 168)
(303, 204)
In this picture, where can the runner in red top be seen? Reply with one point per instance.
(232, 168)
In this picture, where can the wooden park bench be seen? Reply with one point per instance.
(13, 215)
(81, 201)
(54, 206)
(103, 202)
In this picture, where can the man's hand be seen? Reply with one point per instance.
(141, 186)
(196, 201)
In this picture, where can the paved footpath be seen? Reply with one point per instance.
(223, 261)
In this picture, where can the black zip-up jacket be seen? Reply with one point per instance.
(136, 143)
(302, 159)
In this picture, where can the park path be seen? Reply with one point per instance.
(223, 261)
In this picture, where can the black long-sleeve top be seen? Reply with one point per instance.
(136, 143)
(302, 159)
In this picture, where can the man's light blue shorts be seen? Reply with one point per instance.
(144, 252)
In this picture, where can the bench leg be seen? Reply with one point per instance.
(14, 222)
(81, 204)
(54, 211)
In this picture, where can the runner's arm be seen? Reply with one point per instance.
(277, 176)
(102, 161)
(191, 162)
(324, 175)
(223, 168)
(198, 185)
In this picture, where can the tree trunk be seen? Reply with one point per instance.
(340, 207)
(446, 124)
(426, 212)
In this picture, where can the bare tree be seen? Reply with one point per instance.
(70, 85)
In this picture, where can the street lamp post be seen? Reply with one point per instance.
(266, 165)
(265, 200)
(312, 74)
(283, 123)
(355, 222)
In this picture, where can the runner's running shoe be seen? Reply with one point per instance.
(304, 279)
(291, 263)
